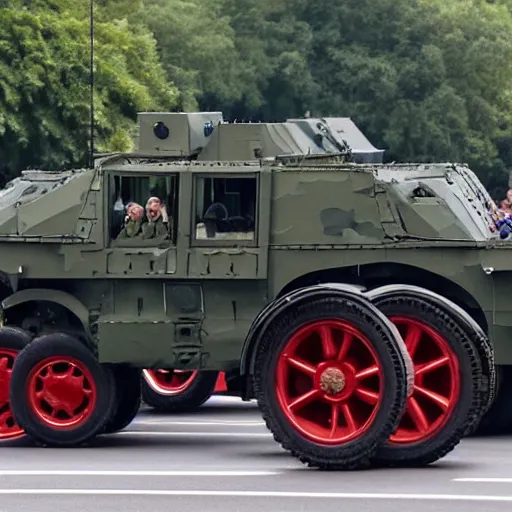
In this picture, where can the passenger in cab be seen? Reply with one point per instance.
(133, 224)
(158, 221)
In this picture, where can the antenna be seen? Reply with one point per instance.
(91, 25)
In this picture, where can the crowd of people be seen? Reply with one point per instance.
(502, 217)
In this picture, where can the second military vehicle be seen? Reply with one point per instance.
(354, 301)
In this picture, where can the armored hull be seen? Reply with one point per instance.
(358, 302)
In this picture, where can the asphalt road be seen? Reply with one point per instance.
(223, 458)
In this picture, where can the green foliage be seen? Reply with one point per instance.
(197, 49)
(427, 80)
(44, 85)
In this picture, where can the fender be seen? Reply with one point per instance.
(48, 295)
(422, 293)
(297, 297)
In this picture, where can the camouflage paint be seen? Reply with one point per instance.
(190, 305)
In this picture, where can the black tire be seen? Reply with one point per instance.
(195, 395)
(473, 390)
(492, 380)
(12, 340)
(353, 453)
(66, 347)
(498, 419)
(128, 398)
(489, 370)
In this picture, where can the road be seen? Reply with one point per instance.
(223, 458)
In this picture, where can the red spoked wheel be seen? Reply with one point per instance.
(448, 379)
(174, 381)
(62, 392)
(169, 390)
(437, 382)
(12, 341)
(329, 382)
(9, 429)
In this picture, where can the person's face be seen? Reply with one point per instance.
(135, 212)
(154, 209)
(509, 195)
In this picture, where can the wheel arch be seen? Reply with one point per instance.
(40, 295)
(375, 275)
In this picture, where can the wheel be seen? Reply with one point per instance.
(180, 390)
(486, 352)
(128, 398)
(59, 393)
(331, 382)
(498, 419)
(447, 399)
(12, 341)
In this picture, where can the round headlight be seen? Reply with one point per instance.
(160, 130)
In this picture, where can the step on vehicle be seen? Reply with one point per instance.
(360, 303)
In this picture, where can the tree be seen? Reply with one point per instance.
(275, 52)
(196, 47)
(44, 86)
(429, 80)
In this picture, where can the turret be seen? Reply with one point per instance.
(205, 136)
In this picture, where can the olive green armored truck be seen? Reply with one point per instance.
(172, 390)
(361, 304)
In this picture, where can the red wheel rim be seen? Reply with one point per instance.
(61, 392)
(329, 382)
(436, 382)
(9, 429)
(174, 381)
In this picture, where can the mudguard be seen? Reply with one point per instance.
(48, 295)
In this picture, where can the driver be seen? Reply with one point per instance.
(133, 221)
(157, 225)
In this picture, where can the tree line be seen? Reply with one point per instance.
(427, 80)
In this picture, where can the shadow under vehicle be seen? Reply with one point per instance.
(362, 304)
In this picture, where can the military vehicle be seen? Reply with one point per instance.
(357, 302)
(172, 390)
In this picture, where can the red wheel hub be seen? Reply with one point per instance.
(329, 382)
(61, 392)
(8, 428)
(436, 382)
(175, 381)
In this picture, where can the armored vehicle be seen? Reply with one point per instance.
(171, 390)
(357, 302)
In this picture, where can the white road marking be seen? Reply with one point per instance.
(229, 399)
(189, 434)
(206, 423)
(486, 480)
(64, 472)
(259, 494)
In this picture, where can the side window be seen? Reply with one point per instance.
(225, 209)
(143, 209)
